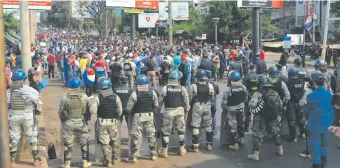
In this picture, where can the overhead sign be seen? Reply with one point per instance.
(163, 11)
(180, 11)
(133, 11)
(204, 36)
(287, 42)
(121, 3)
(147, 4)
(147, 20)
(36, 4)
(260, 3)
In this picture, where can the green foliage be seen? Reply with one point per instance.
(10, 23)
(268, 29)
(335, 6)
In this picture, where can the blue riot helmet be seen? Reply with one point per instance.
(175, 74)
(19, 75)
(235, 76)
(293, 73)
(318, 64)
(318, 77)
(273, 72)
(263, 80)
(142, 80)
(104, 83)
(75, 83)
(201, 74)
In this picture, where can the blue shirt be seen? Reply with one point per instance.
(319, 111)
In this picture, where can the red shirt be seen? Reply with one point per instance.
(262, 55)
(51, 59)
(101, 63)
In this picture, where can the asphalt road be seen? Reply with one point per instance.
(219, 157)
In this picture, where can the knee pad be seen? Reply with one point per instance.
(195, 131)
(165, 141)
(208, 129)
(181, 137)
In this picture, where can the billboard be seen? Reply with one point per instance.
(36, 4)
(121, 3)
(147, 20)
(180, 11)
(133, 10)
(260, 3)
(147, 4)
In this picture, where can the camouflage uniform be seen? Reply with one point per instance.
(107, 128)
(71, 112)
(142, 122)
(21, 100)
(201, 114)
(234, 107)
(256, 105)
(174, 114)
(213, 105)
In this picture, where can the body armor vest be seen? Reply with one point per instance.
(17, 101)
(237, 96)
(124, 95)
(75, 108)
(296, 89)
(278, 88)
(144, 102)
(173, 97)
(107, 108)
(203, 92)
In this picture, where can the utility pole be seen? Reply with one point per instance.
(32, 27)
(170, 22)
(25, 36)
(255, 30)
(106, 22)
(313, 20)
(4, 132)
(323, 54)
(133, 28)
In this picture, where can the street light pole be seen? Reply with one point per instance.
(325, 31)
(215, 21)
(170, 22)
(4, 133)
(25, 36)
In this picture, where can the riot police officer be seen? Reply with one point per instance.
(251, 83)
(109, 110)
(294, 115)
(71, 113)
(143, 102)
(176, 101)
(233, 102)
(201, 95)
(21, 100)
(278, 85)
(213, 103)
(322, 67)
(124, 92)
(265, 105)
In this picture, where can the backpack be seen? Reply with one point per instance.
(272, 104)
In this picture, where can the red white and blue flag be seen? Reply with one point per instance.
(89, 77)
(308, 23)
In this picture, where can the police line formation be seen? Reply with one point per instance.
(304, 98)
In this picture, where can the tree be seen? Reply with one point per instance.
(335, 6)
(57, 16)
(96, 10)
(10, 23)
(269, 30)
(234, 24)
